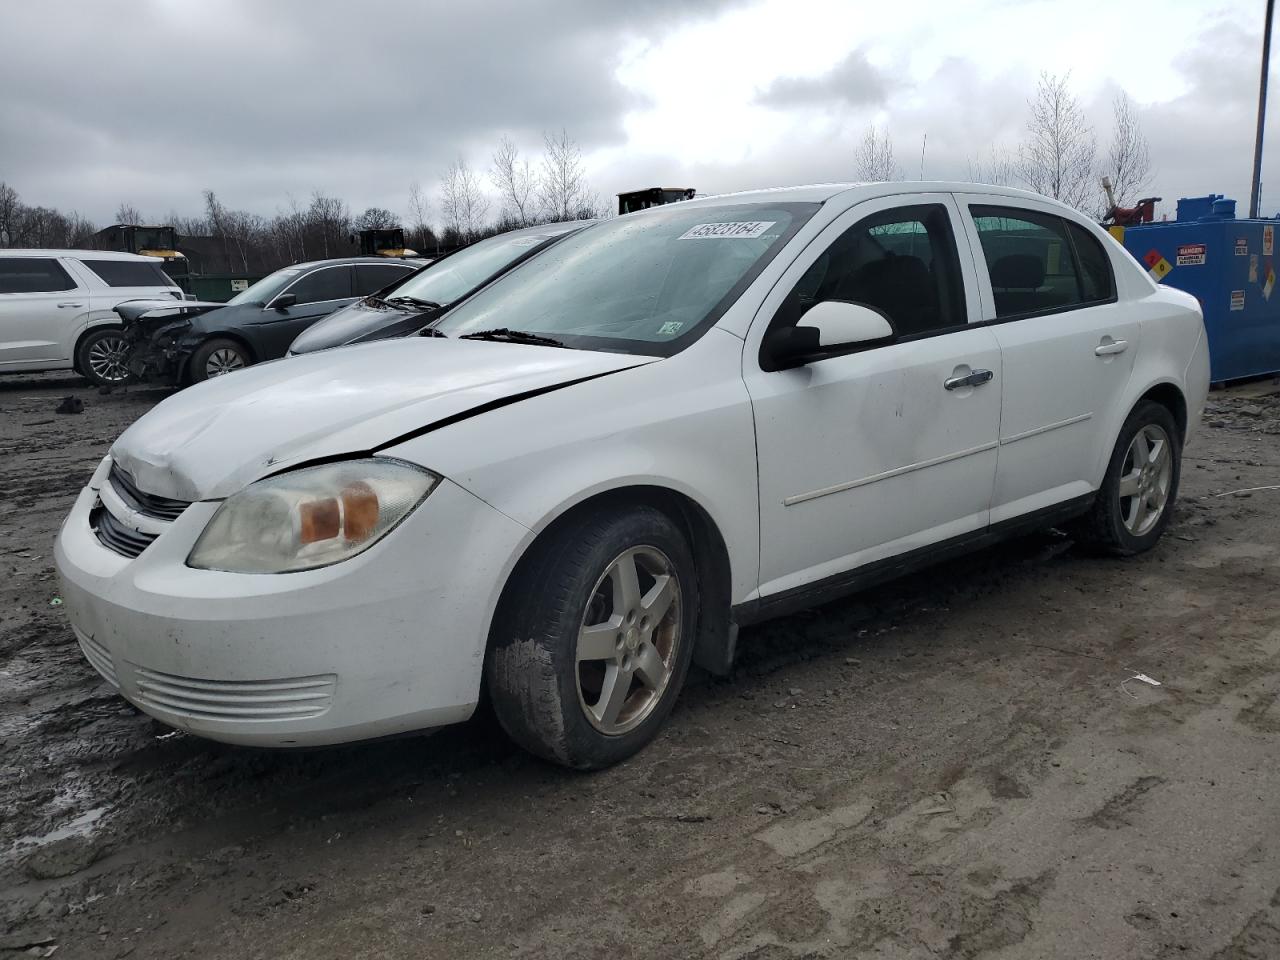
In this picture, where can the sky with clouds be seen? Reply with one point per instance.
(152, 101)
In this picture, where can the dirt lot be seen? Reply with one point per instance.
(952, 766)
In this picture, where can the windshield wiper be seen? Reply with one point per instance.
(506, 335)
(413, 302)
(432, 332)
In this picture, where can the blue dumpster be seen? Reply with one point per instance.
(1229, 265)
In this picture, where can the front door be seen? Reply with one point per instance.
(878, 451)
(1067, 348)
(319, 293)
(39, 303)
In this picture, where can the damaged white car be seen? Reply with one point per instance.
(589, 474)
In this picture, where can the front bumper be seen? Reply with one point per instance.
(389, 641)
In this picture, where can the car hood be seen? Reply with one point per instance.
(212, 439)
(131, 311)
(353, 322)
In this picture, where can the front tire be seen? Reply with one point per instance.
(1135, 502)
(594, 636)
(103, 358)
(216, 357)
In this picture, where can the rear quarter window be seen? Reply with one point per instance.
(129, 273)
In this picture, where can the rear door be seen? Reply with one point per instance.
(320, 292)
(372, 277)
(887, 449)
(40, 302)
(1067, 348)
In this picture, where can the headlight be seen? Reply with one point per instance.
(310, 517)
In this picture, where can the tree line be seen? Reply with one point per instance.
(1059, 155)
(468, 204)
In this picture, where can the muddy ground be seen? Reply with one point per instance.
(952, 766)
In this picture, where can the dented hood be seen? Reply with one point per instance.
(212, 439)
(132, 311)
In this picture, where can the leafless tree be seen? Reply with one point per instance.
(998, 167)
(1128, 162)
(377, 218)
(329, 222)
(562, 183)
(512, 175)
(127, 213)
(418, 207)
(462, 200)
(9, 208)
(1058, 156)
(873, 159)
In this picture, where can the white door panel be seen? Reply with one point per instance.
(869, 455)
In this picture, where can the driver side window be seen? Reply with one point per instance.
(901, 263)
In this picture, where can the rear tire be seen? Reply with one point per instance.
(1138, 492)
(216, 357)
(102, 357)
(593, 637)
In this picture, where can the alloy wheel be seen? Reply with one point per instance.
(223, 360)
(628, 641)
(1145, 479)
(109, 359)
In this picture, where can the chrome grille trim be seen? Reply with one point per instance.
(98, 655)
(294, 698)
(147, 504)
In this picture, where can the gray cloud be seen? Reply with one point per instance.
(151, 103)
(853, 81)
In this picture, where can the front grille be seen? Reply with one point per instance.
(114, 535)
(147, 504)
(294, 698)
(98, 656)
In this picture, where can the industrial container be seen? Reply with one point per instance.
(1229, 265)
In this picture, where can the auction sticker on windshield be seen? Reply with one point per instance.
(738, 230)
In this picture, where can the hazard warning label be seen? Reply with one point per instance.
(1191, 255)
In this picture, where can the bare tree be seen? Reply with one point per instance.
(127, 213)
(1057, 158)
(999, 168)
(418, 214)
(562, 183)
(377, 218)
(462, 200)
(329, 222)
(513, 177)
(873, 159)
(1128, 162)
(10, 205)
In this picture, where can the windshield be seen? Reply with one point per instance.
(645, 283)
(456, 275)
(267, 287)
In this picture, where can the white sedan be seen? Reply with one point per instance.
(591, 473)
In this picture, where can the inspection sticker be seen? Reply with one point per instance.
(1242, 246)
(1268, 239)
(1191, 255)
(1237, 299)
(738, 230)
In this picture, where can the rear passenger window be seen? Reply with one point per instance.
(33, 275)
(372, 277)
(900, 262)
(1033, 263)
(330, 283)
(129, 273)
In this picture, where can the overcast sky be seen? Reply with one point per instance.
(151, 102)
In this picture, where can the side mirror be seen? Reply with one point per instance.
(284, 301)
(827, 327)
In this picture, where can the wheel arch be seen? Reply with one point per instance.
(185, 372)
(716, 634)
(83, 335)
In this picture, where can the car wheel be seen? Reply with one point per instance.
(594, 637)
(1136, 499)
(216, 357)
(103, 358)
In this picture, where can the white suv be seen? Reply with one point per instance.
(56, 309)
(587, 474)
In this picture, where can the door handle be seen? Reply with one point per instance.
(1108, 347)
(975, 379)
(64, 306)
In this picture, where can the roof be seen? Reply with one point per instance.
(339, 261)
(821, 192)
(547, 229)
(78, 254)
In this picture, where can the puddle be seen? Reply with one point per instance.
(82, 824)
